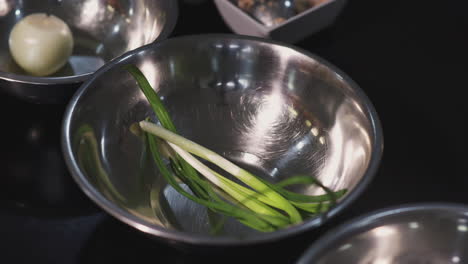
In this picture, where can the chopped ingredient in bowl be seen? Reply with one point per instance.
(246, 4)
(303, 5)
(268, 12)
(275, 12)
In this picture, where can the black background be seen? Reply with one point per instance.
(410, 57)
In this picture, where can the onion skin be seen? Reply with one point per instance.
(41, 44)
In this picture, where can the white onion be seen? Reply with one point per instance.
(41, 44)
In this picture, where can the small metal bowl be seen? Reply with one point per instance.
(274, 109)
(419, 233)
(102, 30)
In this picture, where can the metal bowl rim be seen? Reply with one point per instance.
(80, 78)
(196, 239)
(359, 224)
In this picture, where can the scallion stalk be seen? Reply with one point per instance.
(231, 188)
(241, 174)
(255, 205)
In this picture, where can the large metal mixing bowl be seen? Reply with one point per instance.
(102, 30)
(272, 108)
(410, 234)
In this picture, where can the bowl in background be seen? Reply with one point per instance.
(102, 30)
(292, 30)
(274, 109)
(417, 233)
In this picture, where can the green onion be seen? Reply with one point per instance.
(260, 204)
(187, 173)
(231, 188)
(218, 206)
(89, 160)
(243, 175)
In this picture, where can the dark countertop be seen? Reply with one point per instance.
(410, 57)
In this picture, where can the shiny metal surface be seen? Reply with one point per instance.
(270, 12)
(411, 234)
(269, 107)
(102, 30)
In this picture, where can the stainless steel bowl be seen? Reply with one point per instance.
(411, 234)
(102, 30)
(270, 107)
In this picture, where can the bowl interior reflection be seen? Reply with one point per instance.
(267, 107)
(420, 234)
